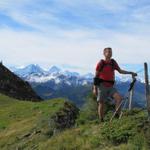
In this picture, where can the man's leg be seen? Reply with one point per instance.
(117, 97)
(102, 95)
(101, 110)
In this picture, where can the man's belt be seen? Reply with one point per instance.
(97, 81)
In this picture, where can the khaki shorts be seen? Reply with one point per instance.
(105, 92)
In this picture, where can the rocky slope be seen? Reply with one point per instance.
(14, 86)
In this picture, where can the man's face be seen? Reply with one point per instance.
(108, 53)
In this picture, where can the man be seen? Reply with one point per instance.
(104, 82)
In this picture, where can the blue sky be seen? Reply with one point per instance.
(73, 33)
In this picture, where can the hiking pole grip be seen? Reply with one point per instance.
(132, 85)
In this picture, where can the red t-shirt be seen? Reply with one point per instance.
(107, 72)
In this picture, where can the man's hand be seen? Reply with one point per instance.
(95, 91)
(133, 74)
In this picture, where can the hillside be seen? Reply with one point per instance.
(14, 86)
(43, 125)
(24, 124)
(126, 134)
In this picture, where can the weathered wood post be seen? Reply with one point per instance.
(147, 90)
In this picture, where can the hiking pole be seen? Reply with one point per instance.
(129, 90)
(123, 107)
(116, 111)
(132, 84)
(126, 98)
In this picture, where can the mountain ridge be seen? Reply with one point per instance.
(13, 86)
(38, 74)
(74, 86)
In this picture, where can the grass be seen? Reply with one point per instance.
(18, 118)
(120, 134)
(24, 126)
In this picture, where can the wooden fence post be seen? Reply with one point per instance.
(147, 90)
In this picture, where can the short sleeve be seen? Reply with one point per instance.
(116, 66)
(98, 65)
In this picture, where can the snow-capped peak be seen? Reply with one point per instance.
(30, 69)
(88, 75)
(34, 73)
(70, 74)
(54, 69)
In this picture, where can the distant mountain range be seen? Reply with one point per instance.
(57, 82)
(34, 73)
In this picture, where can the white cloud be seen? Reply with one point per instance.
(83, 51)
(59, 39)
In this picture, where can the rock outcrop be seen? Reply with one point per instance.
(13, 86)
(64, 118)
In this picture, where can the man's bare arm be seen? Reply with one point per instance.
(127, 72)
(96, 74)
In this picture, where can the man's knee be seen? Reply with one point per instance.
(117, 97)
(100, 102)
